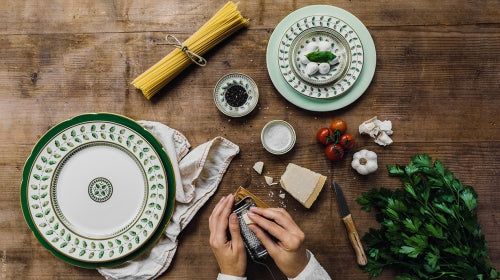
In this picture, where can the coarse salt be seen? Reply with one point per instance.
(277, 137)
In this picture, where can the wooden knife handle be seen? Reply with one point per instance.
(355, 240)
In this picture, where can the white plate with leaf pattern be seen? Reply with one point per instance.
(97, 190)
(305, 101)
(340, 39)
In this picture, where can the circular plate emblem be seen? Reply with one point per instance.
(100, 189)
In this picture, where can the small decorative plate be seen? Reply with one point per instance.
(236, 95)
(318, 39)
(321, 33)
(97, 190)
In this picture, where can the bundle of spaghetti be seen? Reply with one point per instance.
(224, 23)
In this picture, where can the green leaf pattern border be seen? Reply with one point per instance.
(53, 229)
(239, 79)
(315, 91)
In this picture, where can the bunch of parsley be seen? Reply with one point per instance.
(428, 228)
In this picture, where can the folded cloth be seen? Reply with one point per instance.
(197, 176)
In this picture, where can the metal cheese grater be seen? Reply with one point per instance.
(252, 243)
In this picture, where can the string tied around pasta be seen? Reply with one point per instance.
(173, 41)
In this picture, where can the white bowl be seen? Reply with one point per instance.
(278, 137)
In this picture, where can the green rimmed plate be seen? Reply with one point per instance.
(318, 31)
(98, 190)
(321, 104)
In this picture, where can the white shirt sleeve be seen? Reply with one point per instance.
(229, 277)
(313, 270)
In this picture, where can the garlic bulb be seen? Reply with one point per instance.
(364, 162)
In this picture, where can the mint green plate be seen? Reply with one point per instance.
(98, 190)
(319, 104)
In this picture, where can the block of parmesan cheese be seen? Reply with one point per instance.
(303, 184)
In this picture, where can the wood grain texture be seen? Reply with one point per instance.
(438, 67)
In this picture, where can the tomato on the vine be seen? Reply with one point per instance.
(334, 152)
(347, 141)
(325, 136)
(338, 125)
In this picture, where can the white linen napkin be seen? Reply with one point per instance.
(197, 175)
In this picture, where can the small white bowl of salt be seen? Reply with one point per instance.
(278, 137)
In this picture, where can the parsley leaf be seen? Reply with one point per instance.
(428, 229)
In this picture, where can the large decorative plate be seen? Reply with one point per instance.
(339, 38)
(321, 104)
(98, 190)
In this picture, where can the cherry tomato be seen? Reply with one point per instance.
(338, 125)
(325, 136)
(347, 141)
(334, 152)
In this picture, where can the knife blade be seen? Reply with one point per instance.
(352, 233)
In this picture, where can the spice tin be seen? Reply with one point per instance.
(236, 95)
(278, 137)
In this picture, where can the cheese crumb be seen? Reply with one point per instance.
(246, 219)
(269, 180)
(258, 166)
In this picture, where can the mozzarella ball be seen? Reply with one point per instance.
(324, 68)
(311, 68)
(304, 60)
(324, 46)
(311, 47)
(334, 61)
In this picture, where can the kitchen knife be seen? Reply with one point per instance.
(350, 227)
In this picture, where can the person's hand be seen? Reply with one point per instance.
(287, 249)
(230, 254)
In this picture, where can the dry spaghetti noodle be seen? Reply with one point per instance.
(224, 23)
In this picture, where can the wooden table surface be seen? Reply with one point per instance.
(437, 80)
